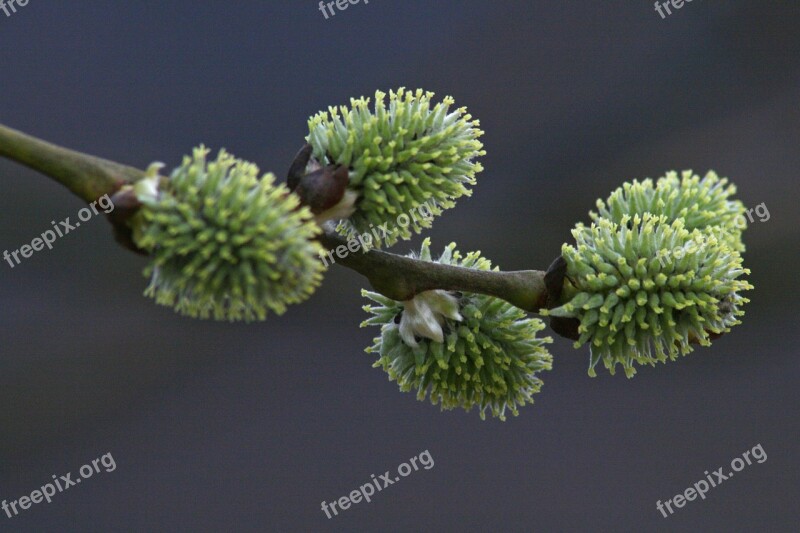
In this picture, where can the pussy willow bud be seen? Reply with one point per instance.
(400, 156)
(699, 202)
(645, 289)
(468, 349)
(224, 243)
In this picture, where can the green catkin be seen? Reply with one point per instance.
(226, 244)
(646, 288)
(489, 360)
(400, 156)
(700, 202)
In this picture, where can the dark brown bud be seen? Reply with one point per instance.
(320, 188)
(554, 284)
(125, 206)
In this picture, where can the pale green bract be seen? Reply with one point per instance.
(400, 156)
(489, 359)
(225, 243)
(645, 289)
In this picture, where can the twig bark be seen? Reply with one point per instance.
(88, 177)
(401, 278)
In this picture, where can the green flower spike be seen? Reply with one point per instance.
(646, 288)
(463, 350)
(400, 157)
(700, 202)
(224, 243)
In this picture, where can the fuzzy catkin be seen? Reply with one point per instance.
(226, 244)
(400, 156)
(645, 289)
(489, 360)
(700, 202)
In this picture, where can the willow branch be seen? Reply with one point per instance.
(401, 278)
(397, 277)
(88, 177)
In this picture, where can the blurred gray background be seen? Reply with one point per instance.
(218, 427)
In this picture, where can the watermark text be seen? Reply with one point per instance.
(62, 483)
(48, 237)
(712, 480)
(9, 7)
(367, 490)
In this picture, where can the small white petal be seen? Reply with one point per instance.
(147, 189)
(424, 316)
(407, 332)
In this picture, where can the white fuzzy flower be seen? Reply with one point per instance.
(424, 315)
(146, 189)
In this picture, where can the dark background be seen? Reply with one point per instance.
(219, 427)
